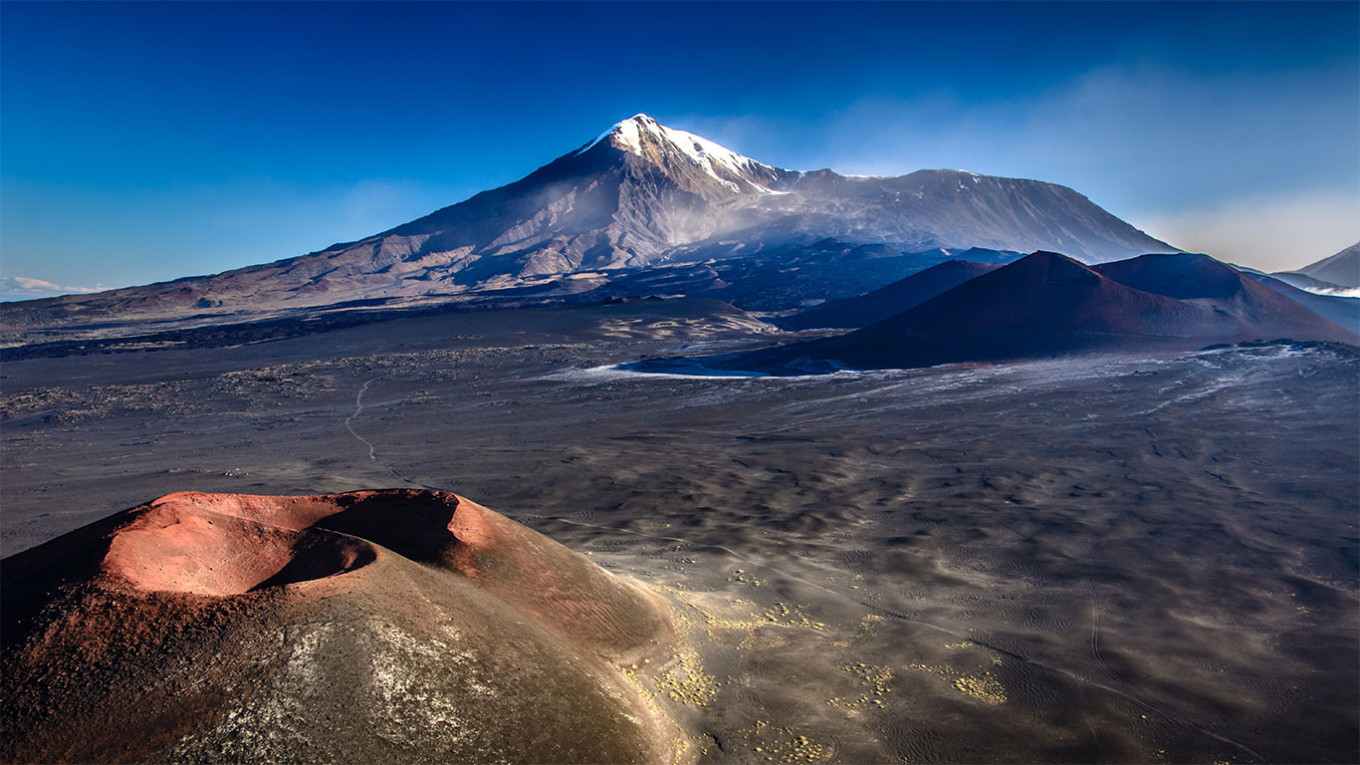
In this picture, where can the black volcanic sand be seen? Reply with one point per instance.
(1105, 559)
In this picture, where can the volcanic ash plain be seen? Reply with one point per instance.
(1132, 558)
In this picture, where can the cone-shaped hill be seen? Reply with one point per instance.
(372, 626)
(1048, 305)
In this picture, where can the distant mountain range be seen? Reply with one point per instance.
(641, 209)
(1337, 273)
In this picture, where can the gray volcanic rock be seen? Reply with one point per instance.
(640, 196)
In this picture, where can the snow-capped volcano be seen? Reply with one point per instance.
(646, 206)
(667, 147)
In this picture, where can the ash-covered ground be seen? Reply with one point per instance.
(1085, 560)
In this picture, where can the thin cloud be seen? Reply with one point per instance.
(1138, 138)
(28, 288)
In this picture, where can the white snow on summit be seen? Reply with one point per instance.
(628, 135)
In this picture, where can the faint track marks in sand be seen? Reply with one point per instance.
(1095, 635)
(358, 409)
(372, 451)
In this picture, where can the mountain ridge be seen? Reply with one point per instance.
(1340, 271)
(1049, 305)
(640, 196)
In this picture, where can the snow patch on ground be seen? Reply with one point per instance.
(1345, 292)
(692, 371)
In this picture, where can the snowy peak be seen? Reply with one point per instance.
(679, 150)
(646, 197)
(640, 131)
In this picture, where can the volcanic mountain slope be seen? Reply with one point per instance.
(1050, 305)
(873, 307)
(1340, 270)
(1340, 308)
(389, 626)
(639, 196)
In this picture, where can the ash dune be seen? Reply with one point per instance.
(1048, 305)
(379, 625)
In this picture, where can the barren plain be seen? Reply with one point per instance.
(1098, 559)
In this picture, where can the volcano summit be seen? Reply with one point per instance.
(641, 207)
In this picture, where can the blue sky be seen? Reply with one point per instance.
(148, 141)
